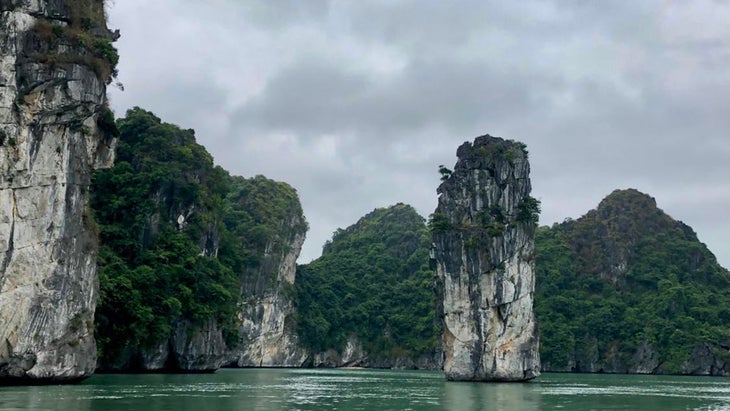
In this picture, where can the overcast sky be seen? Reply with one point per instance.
(356, 103)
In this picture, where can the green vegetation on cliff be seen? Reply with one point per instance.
(261, 213)
(625, 288)
(176, 233)
(625, 275)
(372, 282)
(83, 38)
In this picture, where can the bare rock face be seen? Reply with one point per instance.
(354, 355)
(268, 338)
(483, 247)
(708, 359)
(645, 360)
(198, 349)
(192, 348)
(51, 105)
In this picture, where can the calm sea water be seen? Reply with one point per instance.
(302, 389)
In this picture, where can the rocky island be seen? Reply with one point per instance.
(483, 248)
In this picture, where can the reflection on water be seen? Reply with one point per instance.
(298, 389)
(572, 391)
(364, 390)
(493, 396)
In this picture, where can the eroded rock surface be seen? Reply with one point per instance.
(483, 247)
(268, 337)
(51, 105)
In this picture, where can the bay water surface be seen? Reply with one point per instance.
(339, 389)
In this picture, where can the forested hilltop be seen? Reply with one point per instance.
(180, 240)
(626, 288)
(369, 300)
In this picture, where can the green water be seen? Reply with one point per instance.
(301, 389)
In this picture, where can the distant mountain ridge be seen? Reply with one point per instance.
(628, 289)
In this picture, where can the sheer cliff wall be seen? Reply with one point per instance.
(52, 135)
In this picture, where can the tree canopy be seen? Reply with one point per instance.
(177, 233)
(372, 282)
(625, 274)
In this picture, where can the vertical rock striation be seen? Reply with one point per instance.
(483, 246)
(268, 337)
(52, 134)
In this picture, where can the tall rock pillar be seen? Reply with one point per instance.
(55, 61)
(483, 247)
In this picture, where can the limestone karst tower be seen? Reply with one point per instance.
(56, 59)
(483, 246)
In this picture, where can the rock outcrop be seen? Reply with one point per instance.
(708, 359)
(52, 134)
(168, 294)
(354, 355)
(268, 337)
(192, 348)
(483, 247)
(196, 266)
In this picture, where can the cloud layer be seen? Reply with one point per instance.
(356, 103)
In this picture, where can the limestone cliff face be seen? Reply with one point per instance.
(192, 348)
(50, 140)
(708, 359)
(268, 338)
(266, 335)
(483, 247)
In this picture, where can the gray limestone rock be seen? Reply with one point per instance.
(267, 335)
(353, 355)
(645, 360)
(708, 359)
(483, 247)
(50, 142)
(192, 348)
(198, 349)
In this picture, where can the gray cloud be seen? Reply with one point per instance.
(312, 97)
(356, 103)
